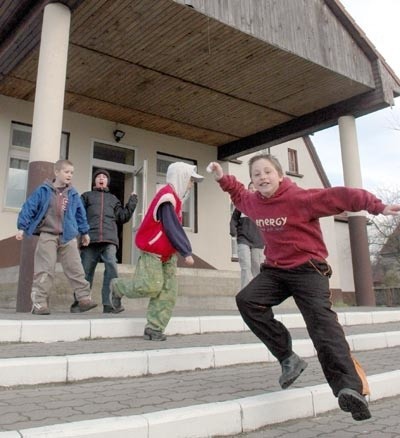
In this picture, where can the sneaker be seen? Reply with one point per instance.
(109, 309)
(355, 403)
(74, 308)
(39, 309)
(153, 335)
(86, 304)
(292, 367)
(115, 299)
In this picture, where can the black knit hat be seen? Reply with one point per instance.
(104, 172)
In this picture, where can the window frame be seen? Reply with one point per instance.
(23, 153)
(293, 162)
(193, 197)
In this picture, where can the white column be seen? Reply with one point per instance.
(350, 156)
(50, 84)
(47, 124)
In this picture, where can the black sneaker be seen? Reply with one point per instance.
(153, 335)
(355, 403)
(292, 367)
(74, 308)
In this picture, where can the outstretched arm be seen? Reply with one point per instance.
(391, 210)
(216, 169)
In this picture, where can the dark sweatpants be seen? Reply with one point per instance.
(309, 286)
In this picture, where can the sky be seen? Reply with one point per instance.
(378, 141)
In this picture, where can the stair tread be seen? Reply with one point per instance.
(87, 346)
(25, 407)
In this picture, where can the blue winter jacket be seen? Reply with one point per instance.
(35, 208)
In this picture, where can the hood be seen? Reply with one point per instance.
(179, 175)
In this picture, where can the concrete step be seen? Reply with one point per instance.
(214, 380)
(198, 288)
(77, 367)
(70, 327)
(203, 403)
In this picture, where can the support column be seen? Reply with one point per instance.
(362, 270)
(47, 124)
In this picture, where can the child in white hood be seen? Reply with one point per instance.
(160, 237)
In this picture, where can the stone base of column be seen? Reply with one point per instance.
(38, 172)
(362, 271)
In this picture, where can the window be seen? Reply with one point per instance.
(17, 177)
(189, 208)
(293, 163)
(115, 154)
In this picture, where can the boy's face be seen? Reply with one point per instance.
(101, 181)
(64, 175)
(265, 177)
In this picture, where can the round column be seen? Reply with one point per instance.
(362, 271)
(47, 124)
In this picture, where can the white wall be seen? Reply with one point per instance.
(212, 243)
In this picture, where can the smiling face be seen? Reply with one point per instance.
(265, 177)
(101, 181)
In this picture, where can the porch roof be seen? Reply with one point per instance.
(236, 75)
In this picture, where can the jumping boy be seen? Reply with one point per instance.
(295, 265)
(55, 212)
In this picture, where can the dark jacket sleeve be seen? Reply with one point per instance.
(123, 214)
(233, 225)
(173, 229)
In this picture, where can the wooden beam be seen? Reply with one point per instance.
(304, 125)
(26, 33)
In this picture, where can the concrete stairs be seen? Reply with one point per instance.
(93, 375)
(198, 288)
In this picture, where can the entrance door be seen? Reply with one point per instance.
(119, 161)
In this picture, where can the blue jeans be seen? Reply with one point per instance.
(93, 254)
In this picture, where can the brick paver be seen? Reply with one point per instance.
(26, 407)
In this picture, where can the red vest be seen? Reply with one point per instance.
(150, 236)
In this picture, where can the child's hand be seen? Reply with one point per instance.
(216, 169)
(85, 240)
(391, 210)
(19, 235)
(189, 260)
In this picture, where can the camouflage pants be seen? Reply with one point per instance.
(154, 279)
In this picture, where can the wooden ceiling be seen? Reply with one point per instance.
(169, 68)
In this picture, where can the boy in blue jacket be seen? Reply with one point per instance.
(54, 212)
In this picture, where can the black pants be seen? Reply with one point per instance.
(309, 286)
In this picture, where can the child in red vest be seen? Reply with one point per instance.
(160, 237)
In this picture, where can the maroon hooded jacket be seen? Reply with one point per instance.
(289, 220)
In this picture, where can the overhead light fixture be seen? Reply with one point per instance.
(118, 134)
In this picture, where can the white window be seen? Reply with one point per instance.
(189, 220)
(17, 177)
